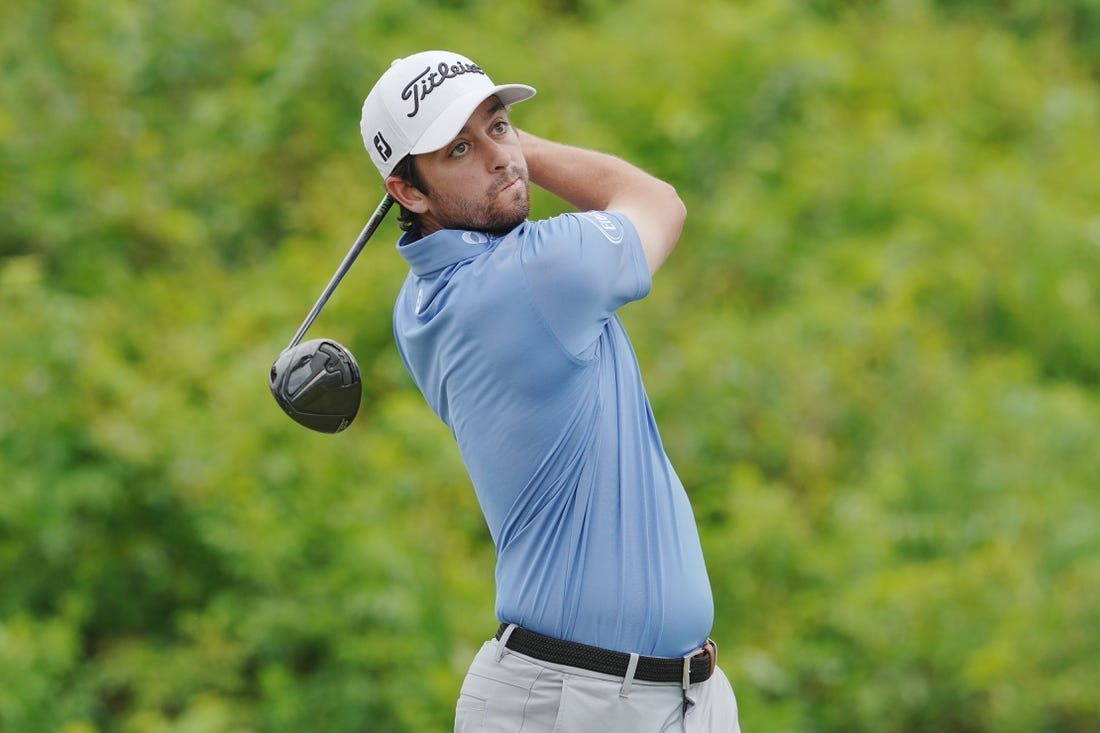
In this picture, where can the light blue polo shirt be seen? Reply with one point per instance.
(515, 344)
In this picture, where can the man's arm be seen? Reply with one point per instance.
(596, 181)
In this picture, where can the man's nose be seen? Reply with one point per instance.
(499, 156)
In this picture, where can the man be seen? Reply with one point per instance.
(509, 329)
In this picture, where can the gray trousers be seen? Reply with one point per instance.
(507, 692)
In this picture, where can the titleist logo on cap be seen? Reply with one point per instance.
(427, 81)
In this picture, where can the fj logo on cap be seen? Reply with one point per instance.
(427, 81)
(382, 147)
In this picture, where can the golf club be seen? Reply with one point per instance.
(317, 382)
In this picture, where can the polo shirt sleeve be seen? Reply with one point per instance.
(581, 268)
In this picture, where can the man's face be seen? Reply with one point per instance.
(479, 180)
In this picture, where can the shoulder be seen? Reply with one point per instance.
(612, 227)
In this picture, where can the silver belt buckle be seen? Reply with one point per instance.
(711, 649)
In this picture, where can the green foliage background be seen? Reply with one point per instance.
(875, 357)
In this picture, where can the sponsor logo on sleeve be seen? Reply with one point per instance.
(608, 226)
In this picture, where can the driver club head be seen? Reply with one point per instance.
(317, 383)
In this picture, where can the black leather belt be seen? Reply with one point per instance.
(688, 670)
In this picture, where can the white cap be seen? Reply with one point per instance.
(422, 102)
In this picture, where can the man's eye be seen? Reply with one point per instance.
(459, 149)
(500, 126)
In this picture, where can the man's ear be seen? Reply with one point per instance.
(408, 195)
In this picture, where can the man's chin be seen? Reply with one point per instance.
(500, 227)
(505, 221)
(496, 221)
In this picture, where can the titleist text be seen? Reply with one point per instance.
(427, 81)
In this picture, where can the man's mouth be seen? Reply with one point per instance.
(509, 184)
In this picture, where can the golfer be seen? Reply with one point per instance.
(509, 329)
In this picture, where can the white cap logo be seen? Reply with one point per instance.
(383, 147)
(422, 101)
(426, 81)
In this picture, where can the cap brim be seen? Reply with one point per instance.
(447, 126)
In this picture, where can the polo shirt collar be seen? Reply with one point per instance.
(443, 248)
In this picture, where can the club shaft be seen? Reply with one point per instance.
(349, 260)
